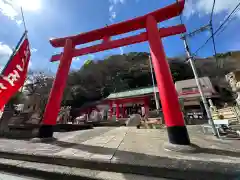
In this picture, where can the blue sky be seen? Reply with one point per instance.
(57, 18)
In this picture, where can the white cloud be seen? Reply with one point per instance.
(11, 8)
(113, 15)
(5, 49)
(19, 22)
(92, 56)
(33, 50)
(28, 5)
(117, 1)
(5, 53)
(203, 7)
(220, 6)
(30, 64)
(121, 50)
(7, 9)
(112, 8)
(76, 58)
(88, 57)
(111, 20)
(188, 9)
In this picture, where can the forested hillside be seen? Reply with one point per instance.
(99, 78)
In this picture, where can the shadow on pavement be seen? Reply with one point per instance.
(150, 165)
(105, 150)
(83, 147)
(219, 152)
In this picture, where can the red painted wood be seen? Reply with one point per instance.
(163, 32)
(170, 105)
(117, 111)
(111, 109)
(106, 39)
(123, 27)
(123, 111)
(55, 97)
(168, 94)
(146, 106)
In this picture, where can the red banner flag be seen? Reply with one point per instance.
(15, 72)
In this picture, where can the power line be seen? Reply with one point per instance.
(230, 20)
(211, 30)
(218, 29)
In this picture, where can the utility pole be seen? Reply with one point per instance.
(154, 87)
(200, 87)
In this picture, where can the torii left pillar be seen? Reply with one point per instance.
(55, 98)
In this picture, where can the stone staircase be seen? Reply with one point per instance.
(19, 119)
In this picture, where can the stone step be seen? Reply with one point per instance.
(18, 119)
(51, 171)
(55, 165)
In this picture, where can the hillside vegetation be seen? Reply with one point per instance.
(99, 78)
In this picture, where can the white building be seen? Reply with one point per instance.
(188, 90)
(190, 97)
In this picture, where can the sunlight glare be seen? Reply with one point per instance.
(30, 5)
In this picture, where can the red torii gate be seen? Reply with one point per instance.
(176, 128)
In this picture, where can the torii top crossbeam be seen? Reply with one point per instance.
(123, 27)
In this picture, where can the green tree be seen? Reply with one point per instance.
(98, 79)
(40, 84)
(17, 98)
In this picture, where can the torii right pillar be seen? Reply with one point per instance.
(177, 131)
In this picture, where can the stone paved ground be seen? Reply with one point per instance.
(109, 143)
(148, 145)
(23, 146)
(146, 142)
(128, 145)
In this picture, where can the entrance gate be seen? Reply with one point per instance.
(174, 121)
